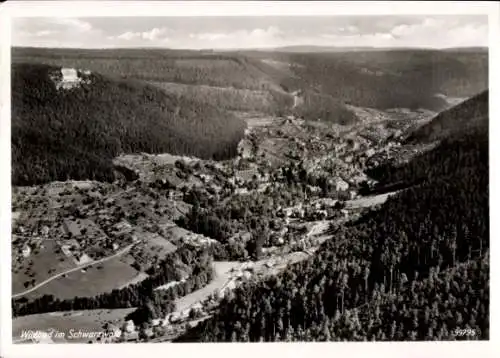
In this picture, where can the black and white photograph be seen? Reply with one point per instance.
(248, 179)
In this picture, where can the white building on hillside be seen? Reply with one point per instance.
(69, 74)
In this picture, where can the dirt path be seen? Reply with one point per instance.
(122, 251)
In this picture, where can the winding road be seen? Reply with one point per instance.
(52, 278)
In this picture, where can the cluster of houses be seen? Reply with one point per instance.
(320, 209)
(35, 239)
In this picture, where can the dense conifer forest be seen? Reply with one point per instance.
(471, 114)
(318, 106)
(187, 67)
(390, 79)
(60, 134)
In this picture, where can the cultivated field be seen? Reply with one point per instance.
(96, 279)
(43, 263)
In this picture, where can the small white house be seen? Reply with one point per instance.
(148, 332)
(129, 326)
(341, 185)
(45, 230)
(69, 75)
(156, 322)
(370, 152)
(83, 259)
(247, 275)
(26, 251)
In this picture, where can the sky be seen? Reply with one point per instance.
(441, 31)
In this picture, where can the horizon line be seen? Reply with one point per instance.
(255, 48)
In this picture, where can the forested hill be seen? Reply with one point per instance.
(407, 78)
(417, 269)
(229, 81)
(74, 132)
(468, 119)
(390, 78)
(468, 115)
(162, 65)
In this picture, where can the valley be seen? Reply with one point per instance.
(223, 180)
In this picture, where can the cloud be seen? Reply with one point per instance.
(151, 35)
(249, 32)
(125, 36)
(154, 34)
(346, 30)
(425, 27)
(443, 32)
(271, 31)
(257, 33)
(437, 32)
(469, 35)
(71, 24)
(53, 32)
(43, 33)
(209, 36)
(258, 37)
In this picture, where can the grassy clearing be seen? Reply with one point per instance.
(113, 273)
(141, 276)
(158, 245)
(42, 264)
(368, 201)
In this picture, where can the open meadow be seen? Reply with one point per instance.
(92, 281)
